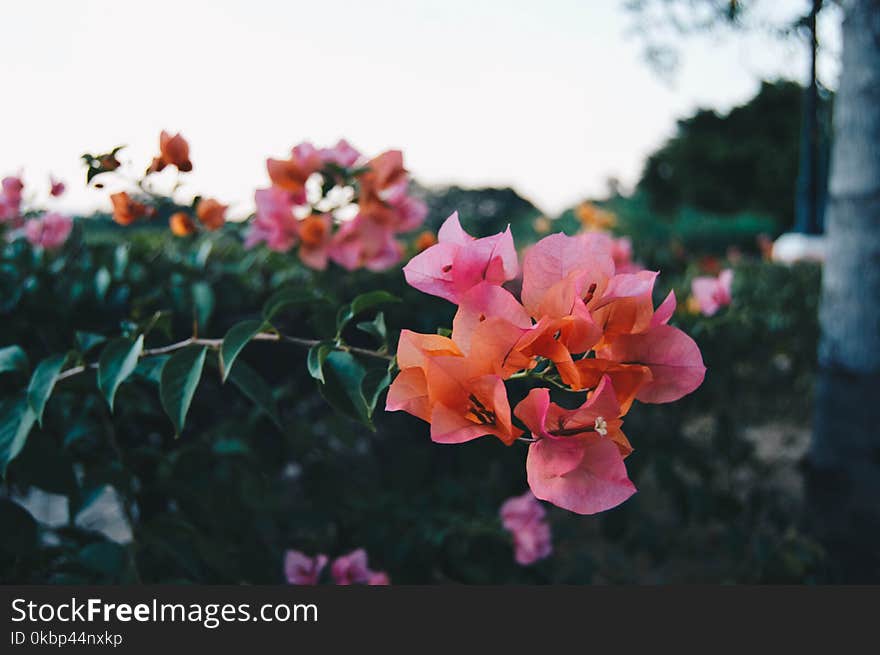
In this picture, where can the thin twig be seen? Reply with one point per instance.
(215, 344)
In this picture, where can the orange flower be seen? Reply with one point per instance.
(211, 213)
(458, 395)
(425, 240)
(181, 224)
(595, 218)
(126, 210)
(314, 236)
(173, 151)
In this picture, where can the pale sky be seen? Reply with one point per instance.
(551, 97)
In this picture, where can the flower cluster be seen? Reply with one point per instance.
(336, 205)
(525, 519)
(709, 294)
(47, 230)
(350, 569)
(201, 214)
(578, 325)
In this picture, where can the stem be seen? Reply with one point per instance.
(216, 343)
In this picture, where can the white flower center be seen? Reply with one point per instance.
(601, 426)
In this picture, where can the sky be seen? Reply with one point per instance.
(552, 98)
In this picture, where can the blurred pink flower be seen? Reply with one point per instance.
(342, 154)
(10, 199)
(713, 293)
(301, 569)
(56, 187)
(363, 242)
(274, 223)
(352, 569)
(50, 231)
(524, 517)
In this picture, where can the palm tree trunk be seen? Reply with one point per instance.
(845, 454)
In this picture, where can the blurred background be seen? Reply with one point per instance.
(706, 134)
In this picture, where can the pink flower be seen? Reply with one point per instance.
(577, 461)
(343, 154)
(274, 223)
(352, 569)
(673, 358)
(12, 188)
(621, 252)
(56, 187)
(10, 200)
(712, 293)
(362, 242)
(459, 262)
(301, 569)
(523, 517)
(50, 231)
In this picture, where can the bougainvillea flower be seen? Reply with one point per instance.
(211, 213)
(181, 224)
(425, 240)
(672, 356)
(621, 252)
(713, 293)
(577, 461)
(50, 231)
(583, 264)
(12, 188)
(625, 306)
(384, 176)
(665, 311)
(595, 218)
(173, 151)
(459, 262)
(524, 517)
(353, 569)
(300, 569)
(291, 174)
(56, 187)
(315, 232)
(379, 579)
(274, 222)
(343, 154)
(483, 301)
(626, 379)
(458, 395)
(126, 210)
(361, 242)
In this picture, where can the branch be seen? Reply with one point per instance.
(215, 344)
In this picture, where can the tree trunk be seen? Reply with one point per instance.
(845, 454)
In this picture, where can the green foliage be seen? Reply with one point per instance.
(118, 361)
(745, 161)
(178, 381)
(266, 464)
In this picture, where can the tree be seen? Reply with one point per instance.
(846, 447)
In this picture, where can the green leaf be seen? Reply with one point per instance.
(361, 304)
(315, 359)
(16, 421)
(375, 328)
(203, 302)
(236, 339)
(375, 382)
(102, 282)
(118, 360)
(13, 358)
(343, 387)
(42, 383)
(151, 367)
(85, 341)
(255, 387)
(178, 381)
(285, 298)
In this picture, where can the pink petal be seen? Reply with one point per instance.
(599, 482)
(673, 357)
(665, 311)
(483, 301)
